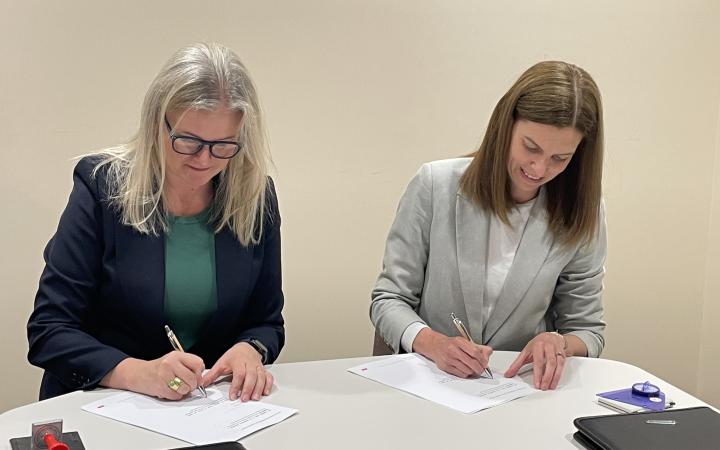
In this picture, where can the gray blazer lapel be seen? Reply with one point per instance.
(531, 254)
(471, 234)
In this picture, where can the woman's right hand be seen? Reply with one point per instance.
(153, 377)
(454, 355)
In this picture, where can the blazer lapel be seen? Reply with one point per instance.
(471, 234)
(141, 259)
(234, 266)
(531, 254)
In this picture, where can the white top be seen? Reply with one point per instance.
(503, 242)
(410, 334)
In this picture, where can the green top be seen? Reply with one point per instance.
(190, 283)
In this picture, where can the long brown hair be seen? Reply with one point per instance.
(551, 93)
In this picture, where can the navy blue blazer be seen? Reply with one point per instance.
(101, 294)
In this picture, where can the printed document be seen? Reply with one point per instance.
(419, 376)
(195, 419)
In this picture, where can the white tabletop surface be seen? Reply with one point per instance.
(338, 409)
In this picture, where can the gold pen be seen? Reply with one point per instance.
(464, 333)
(176, 345)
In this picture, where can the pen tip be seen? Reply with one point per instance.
(167, 329)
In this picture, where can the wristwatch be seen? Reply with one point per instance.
(259, 347)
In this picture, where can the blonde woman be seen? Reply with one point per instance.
(177, 227)
(511, 241)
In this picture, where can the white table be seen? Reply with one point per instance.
(340, 410)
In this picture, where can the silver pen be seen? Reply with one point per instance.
(176, 345)
(464, 333)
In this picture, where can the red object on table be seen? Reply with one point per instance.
(54, 444)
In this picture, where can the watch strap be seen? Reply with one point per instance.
(259, 347)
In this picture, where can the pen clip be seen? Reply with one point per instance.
(461, 327)
(173, 339)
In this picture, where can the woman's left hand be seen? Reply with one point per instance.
(250, 380)
(547, 353)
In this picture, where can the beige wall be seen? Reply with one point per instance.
(358, 94)
(709, 372)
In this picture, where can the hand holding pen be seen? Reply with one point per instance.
(455, 355)
(176, 382)
(465, 334)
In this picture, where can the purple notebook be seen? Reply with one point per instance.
(655, 403)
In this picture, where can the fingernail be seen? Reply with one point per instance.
(256, 397)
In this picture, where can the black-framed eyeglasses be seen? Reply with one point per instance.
(190, 145)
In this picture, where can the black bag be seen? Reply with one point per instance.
(689, 428)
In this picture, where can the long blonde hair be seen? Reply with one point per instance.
(552, 93)
(200, 76)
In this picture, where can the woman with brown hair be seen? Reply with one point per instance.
(512, 241)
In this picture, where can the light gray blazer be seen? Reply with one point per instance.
(434, 265)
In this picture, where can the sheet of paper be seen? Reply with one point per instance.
(419, 376)
(196, 419)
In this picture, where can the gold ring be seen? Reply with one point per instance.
(175, 384)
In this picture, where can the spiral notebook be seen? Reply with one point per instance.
(688, 428)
